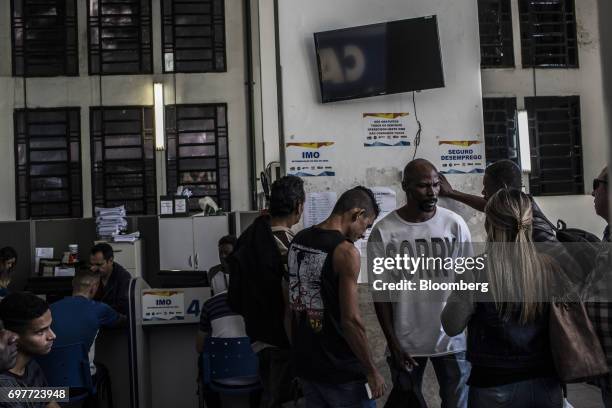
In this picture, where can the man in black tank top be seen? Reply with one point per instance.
(329, 342)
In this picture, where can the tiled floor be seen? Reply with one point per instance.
(584, 396)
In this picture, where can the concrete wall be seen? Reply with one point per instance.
(83, 92)
(586, 82)
(450, 112)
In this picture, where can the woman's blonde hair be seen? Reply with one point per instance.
(514, 268)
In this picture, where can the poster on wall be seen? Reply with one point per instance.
(387, 202)
(162, 304)
(461, 156)
(310, 159)
(318, 206)
(385, 129)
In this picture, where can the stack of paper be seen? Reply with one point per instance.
(127, 237)
(110, 221)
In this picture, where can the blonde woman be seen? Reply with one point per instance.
(508, 342)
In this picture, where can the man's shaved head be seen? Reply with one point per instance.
(421, 183)
(415, 170)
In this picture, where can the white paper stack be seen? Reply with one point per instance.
(127, 237)
(110, 221)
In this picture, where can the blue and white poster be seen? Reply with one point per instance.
(386, 130)
(461, 156)
(310, 159)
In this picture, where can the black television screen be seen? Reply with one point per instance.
(378, 59)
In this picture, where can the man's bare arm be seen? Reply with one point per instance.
(446, 190)
(200, 341)
(347, 263)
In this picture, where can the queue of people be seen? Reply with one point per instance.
(299, 298)
(296, 296)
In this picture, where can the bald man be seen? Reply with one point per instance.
(412, 325)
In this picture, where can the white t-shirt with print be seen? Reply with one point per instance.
(416, 317)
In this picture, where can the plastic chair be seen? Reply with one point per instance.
(68, 366)
(229, 365)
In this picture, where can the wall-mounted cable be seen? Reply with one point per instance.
(417, 136)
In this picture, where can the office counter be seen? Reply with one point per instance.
(164, 362)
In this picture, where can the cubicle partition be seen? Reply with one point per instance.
(163, 362)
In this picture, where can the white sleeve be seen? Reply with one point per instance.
(465, 238)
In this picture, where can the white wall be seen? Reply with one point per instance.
(586, 82)
(127, 90)
(453, 111)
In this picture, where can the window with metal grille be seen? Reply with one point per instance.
(123, 158)
(495, 22)
(500, 129)
(197, 152)
(193, 35)
(48, 163)
(556, 148)
(45, 41)
(119, 36)
(548, 33)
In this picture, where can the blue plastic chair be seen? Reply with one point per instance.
(68, 366)
(230, 366)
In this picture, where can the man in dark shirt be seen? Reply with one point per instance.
(29, 317)
(328, 337)
(114, 279)
(598, 286)
(258, 287)
(501, 174)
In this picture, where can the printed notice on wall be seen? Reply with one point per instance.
(386, 130)
(461, 156)
(163, 304)
(387, 202)
(318, 206)
(310, 159)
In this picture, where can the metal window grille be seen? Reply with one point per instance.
(119, 33)
(193, 33)
(197, 152)
(123, 158)
(548, 33)
(495, 23)
(48, 163)
(556, 148)
(44, 36)
(500, 129)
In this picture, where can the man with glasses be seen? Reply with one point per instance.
(598, 286)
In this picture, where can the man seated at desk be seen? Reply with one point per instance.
(115, 280)
(218, 275)
(29, 317)
(78, 318)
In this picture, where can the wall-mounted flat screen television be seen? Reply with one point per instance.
(378, 59)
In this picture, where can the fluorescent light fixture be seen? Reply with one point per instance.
(523, 135)
(158, 94)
